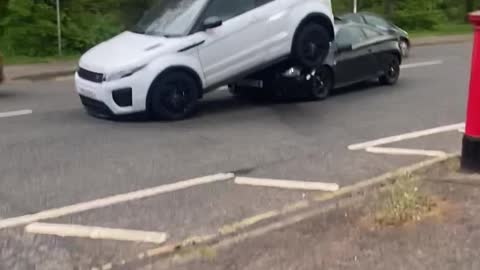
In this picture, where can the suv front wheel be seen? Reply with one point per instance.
(174, 96)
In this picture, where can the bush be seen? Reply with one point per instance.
(417, 20)
(28, 28)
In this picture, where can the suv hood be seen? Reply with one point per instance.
(126, 50)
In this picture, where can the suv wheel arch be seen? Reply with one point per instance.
(319, 18)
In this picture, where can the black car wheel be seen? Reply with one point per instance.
(392, 72)
(322, 84)
(311, 45)
(174, 96)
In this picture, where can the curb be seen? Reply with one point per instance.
(43, 76)
(430, 41)
(194, 247)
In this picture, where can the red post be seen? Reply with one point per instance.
(471, 140)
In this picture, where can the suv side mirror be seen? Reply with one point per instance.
(344, 48)
(212, 22)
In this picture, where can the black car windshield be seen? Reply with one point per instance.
(170, 17)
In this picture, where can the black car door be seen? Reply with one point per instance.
(354, 56)
(375, 42)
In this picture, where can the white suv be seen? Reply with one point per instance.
(181, 49)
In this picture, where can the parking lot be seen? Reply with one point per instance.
(58, 165)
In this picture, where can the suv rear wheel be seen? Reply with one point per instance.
(311, 45)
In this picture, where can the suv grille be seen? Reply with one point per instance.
(90, 75)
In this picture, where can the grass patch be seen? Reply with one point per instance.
(22, 60)
(201, 252)
(404, 202)
(444, 30)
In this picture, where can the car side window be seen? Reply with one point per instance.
(350, 36)
(370, 33)
(354, 18)
(377, 21)
(228, 9)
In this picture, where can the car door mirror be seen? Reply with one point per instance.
(212, 22)
(344, 48)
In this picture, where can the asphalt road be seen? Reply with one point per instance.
(58, 156)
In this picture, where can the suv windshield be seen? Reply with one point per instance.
(170, 17)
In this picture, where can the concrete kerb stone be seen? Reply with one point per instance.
(42, 76)
(440, 40)
(192, 248)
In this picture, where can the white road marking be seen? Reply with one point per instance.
(406, 136)
(15, 113)
(112, 200)
(462, 130)
(287, 184)
(405, 152)
(422, 64)
(68, 230)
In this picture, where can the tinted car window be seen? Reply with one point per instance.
(377, 21)
(353, 17)
(228, 9)
(350, 36)
(370, 33)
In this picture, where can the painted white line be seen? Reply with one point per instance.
(462, 130)
(405, 152)
(109, 201)
(406, 136)
(67, 230)
(15, 113)
(287, 184)
(422, 64)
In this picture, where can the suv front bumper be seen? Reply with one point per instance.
(118, 97)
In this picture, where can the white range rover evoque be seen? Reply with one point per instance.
(181, 49)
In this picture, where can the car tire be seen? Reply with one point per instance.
(404, 47)
(174, 96)
(323, 84)
(391, 72)
(311, 45)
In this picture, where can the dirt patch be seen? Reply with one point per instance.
(447, 236)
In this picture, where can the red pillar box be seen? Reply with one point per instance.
(471, 140)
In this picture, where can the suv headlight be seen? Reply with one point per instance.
(123, 74)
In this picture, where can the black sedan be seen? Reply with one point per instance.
(382, 24)
(359, 53)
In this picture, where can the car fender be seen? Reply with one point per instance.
(187, 61)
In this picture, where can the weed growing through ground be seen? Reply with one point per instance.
(404, 202)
